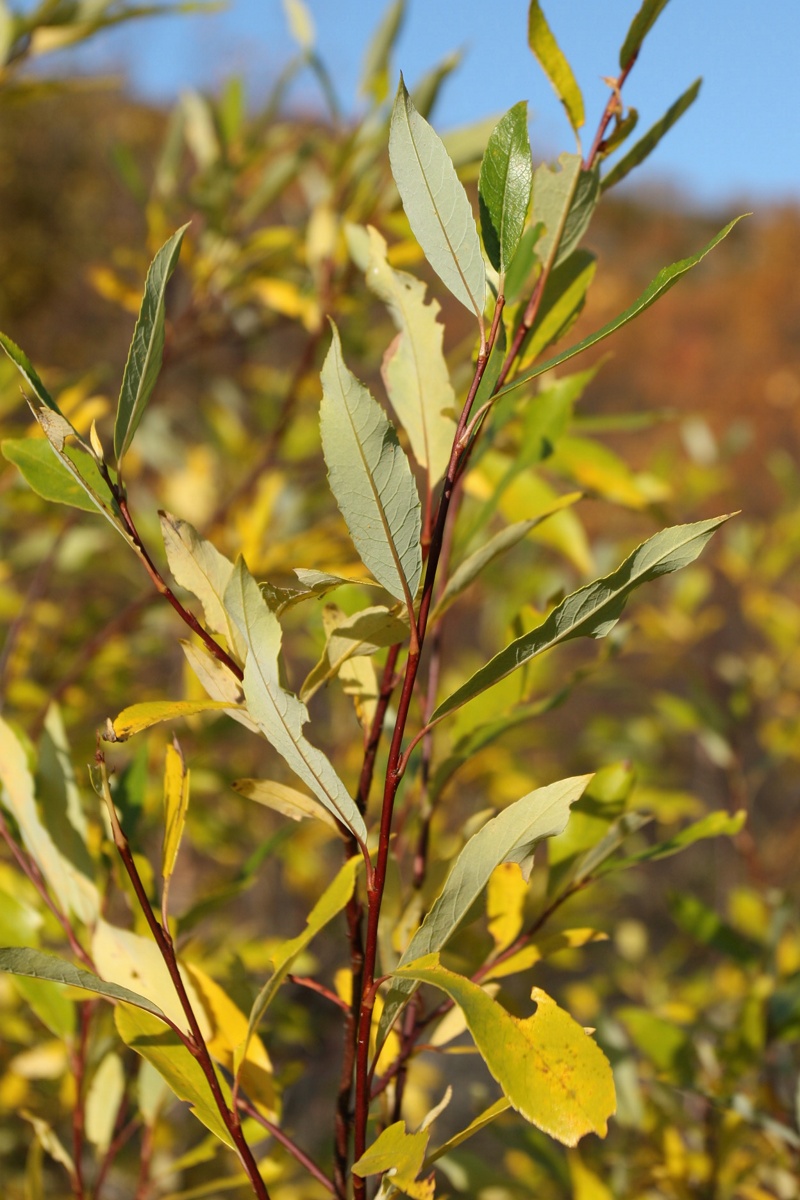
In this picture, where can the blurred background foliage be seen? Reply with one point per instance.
(694, 705)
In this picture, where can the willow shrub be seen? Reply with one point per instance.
(443, 900)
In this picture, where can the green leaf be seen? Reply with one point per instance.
(716, 824)
(425, 93)
(39, 965)
(28, 373)
(198, 566)
(176, 804)
(375, 73)
(329, 905)
(164, 1050)
(511, 836)
(562, 303)
(504, 186)
(370, 478)
(279, 714)
(665, 279)
(564, 198)
(555, 65)
(401, 1154)
(436, 204)
(593, 610)
(414, 368)
(74, 890)
(147, 347)
(481, 1121)
(640, 26)
(708, 928)
(645, 146)
(138, 717)
(50, 1002)
(43, 471)
(351, 637)
(549, 1068)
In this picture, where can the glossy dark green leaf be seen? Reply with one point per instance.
(640, 26)
(147, 347)
(665, 279)
(375, 74)
(554, 64)
(504, 186)
(436, 204)
(645, 146)
(48, 477)
(593, 610)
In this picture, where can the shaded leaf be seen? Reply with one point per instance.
(43, 471)
(640, 26)
(551, 1071)
(279, 714)
(219, 682)
(147, 347)
(176, 803)
(564, 198)
(436, 204)
(285, 800)
(665, 279)
(198, 566)
(102, 1101)
(138, 717)
(555, 65)
(29, 374)
(370, 478)
(593, 610)
(375, 72)
(50, 1002)
(562, 303)
(645, 146)
(504, 186)
(481, 1121)
(351, 637)
(40, 965)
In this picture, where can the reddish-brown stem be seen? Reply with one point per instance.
(611, 109)
(313, 985)
(124, 1130)
(146, 1159)
(288, 1144)
(78, 1066)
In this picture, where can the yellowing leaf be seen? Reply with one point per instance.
(286, 298)
(176, 802)
(505, 903)
(286, 800)
(585, 1184)
(400, 1154)
(103, 1099)
(141, 716)
(529, 955)
(554, 64)
(131, 961)
(552, 1072)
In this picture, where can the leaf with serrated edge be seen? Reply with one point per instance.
(665, 279)
(645, 146)
(138, 717)
(19, 960)
(554, 64)
(198, 566)
(285, 800)
(593, 610)
(370, 478)
(549, 1068)
(640, 26)
(414, 368)
(504, 186)
(279, 714)
(147, 347)
(436, 204)
(509, 837)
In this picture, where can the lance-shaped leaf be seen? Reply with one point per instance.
(42, 470)
(645, 146)
(564, 198)
(286, 800)
(279, 714)
(176, 804)
(329, 905)
(37, 964)
(716, 824)
(414, 368)
(436, 204)
(504, 186)
(562, 303)
(375, 72)
(640, 26)
(138, 717)
(103, 1100)
(481, 1121)
(370, 478)
(198, 566)
(29, 374)
(593, 610)
(511, 836)
(219, 682)
(555, 66)
(147, 347)
(665, 279)
(351, 637)
(549, 1068)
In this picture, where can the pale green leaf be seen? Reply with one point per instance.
(164, 1050)
(593, 610)
(375, 72)
(103, 1100)
(135, 963)
(279, 714)
(414, 368)
(138, 717)
(504, 186)
(351, 637)
(481, 1121)
(176, 804)
(219, 682)
(50, 1002)
(554, 64)
(37, 964)
(74, 890)
(665, 279)
(329, 905)
(43, 471)
(436, 204)
(401, 1154)
(716, 824)
(198, 566)
(370, 478)
(639, 28)
(301, 23)
(564, 198)
(286, 800)
(147, 347)
(49, 1140)
(645, 146)
(549, 1068)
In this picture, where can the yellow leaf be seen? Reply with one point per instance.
(141, 716)
(286, 800)
(524, 959)
(585, 1184)
(402, 1155)
(286, 298)
(176, 802)
(505, 903)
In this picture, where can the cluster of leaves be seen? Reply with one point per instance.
(437, 889)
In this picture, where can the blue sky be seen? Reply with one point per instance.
(739, 142)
